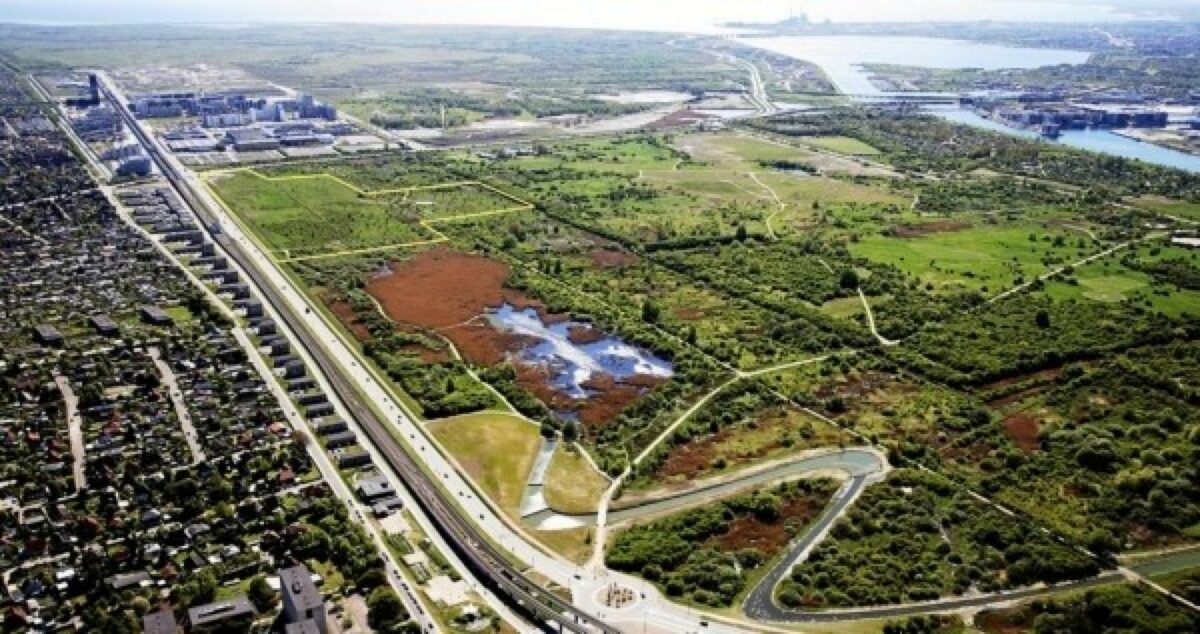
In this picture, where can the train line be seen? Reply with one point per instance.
(550, 611)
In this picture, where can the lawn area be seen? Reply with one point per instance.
(572, 485)
(842, 144)
(180, 314)
(495, 449)
(845, 307)
(800, 191)
(983, 257)
(575, 544)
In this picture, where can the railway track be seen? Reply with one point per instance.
(549, 611)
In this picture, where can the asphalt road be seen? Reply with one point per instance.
(760, 603)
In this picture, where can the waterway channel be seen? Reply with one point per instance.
(842, 58)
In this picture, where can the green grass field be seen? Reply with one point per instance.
(307, 216)
(1108, 280)
(980, 257)
(751, 149)
(572, 485)
(647, 192)
(496, 450)
(311, 214)
(842, 145)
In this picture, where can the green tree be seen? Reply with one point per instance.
(570, 431)
(650, 312)
(849, 279)
(261, 594)
(384, 608)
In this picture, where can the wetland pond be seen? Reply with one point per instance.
(574, 354)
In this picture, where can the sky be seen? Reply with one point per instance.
(625, 14)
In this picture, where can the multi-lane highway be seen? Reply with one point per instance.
(421, 470)
(490, 567)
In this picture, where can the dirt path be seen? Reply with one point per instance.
(778, 201)
(181, 411)
(871, 321)
(1083, 230)
(74, 431)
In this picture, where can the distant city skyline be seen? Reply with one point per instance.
(623, 14)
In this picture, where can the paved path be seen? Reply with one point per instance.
(74, 431)
(760, 602)
(856, 463)
(774, 614)
(181, 410)
(534, 499)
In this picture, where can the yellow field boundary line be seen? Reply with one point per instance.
(427, 223)
(387, 247)
(377, 192)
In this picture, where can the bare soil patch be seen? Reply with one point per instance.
(480, 343)
(680, 118)
(768, 538)
(442, 287)
(612, 258)
(448, 291)
(688, 314)
(692, 458)
(696, 457)
(1022, 429)
(584, 335)
(1007, 621)
(926, 228)
(611, 397)
(345, 314)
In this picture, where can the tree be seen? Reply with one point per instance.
(849, 279)
(650, 312)
(741, 233)
(570, 431)
(384, 608)
(261, 594)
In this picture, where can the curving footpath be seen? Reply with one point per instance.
(770, 612)
(859, 465)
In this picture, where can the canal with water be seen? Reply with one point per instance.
(842, 57)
